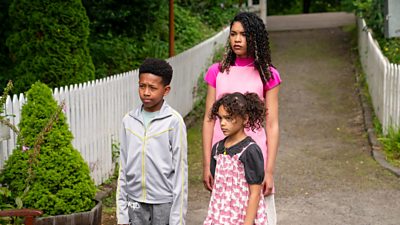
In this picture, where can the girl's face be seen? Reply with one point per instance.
(230, 125)
(237, 40)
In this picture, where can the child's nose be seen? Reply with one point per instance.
(147, 91)
(238, 38)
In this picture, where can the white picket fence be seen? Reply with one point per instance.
(383, 78)
(94, 110)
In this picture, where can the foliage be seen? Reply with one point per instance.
(391, 144)
(4, 32)
(284, 7)
(113, 55)
(48, 42)
(126, 18)
(199, 105)
(52, 177)
(214, 13)
(116, 53)
(8, 202)
(373, 13)
(391, 49)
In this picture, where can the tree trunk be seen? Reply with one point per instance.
(306, 6)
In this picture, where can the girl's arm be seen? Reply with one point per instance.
(207, 133)
(252, 206)
(272, 130)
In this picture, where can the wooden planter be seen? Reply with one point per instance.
(92, 217)
(4, 132)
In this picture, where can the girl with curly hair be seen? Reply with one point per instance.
(237, 163)
(246, 67)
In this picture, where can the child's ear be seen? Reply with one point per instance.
(167, 88)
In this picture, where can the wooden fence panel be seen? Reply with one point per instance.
(383, 79)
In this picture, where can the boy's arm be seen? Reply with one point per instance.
(122, 202)
(180, 180)
(252, 206)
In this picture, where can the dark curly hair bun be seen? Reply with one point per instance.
(243, 105)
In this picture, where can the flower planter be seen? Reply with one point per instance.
(92, 217)
(4, 132)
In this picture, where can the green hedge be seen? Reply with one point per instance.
(48, 42)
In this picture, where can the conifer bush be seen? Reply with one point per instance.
(48, 43)
(54, 177)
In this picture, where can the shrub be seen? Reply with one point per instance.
(48, 42)
(373, 13)
(391, 144)
(54, 177)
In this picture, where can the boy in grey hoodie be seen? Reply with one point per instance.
(152, 183)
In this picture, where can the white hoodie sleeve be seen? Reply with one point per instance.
(178, 142)
(122, 201)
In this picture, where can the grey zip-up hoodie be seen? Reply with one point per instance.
(153, 163)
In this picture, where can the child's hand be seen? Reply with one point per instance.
(208, 180)
(268, 184)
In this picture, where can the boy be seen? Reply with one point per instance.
(152, 184)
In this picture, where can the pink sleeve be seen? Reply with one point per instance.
(211, 75)
(274, 81)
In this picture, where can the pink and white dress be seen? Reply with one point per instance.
(230, 193)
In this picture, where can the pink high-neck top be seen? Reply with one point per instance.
(242, 77)
(213, 71)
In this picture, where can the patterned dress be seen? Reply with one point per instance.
(230, 193)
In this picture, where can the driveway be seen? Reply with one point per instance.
(325, 174)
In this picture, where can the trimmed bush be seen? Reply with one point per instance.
(48, 43)
(59, 181)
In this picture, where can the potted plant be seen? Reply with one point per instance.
(45, 170)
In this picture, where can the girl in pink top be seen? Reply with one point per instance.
(246, 67)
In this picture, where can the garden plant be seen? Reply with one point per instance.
(45, 171)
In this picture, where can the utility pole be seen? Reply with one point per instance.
(171, 29)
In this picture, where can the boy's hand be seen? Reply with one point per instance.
(268, 184)
(208, 180)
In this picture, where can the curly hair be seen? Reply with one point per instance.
(238, 104)
(157, 67)
(257, 45)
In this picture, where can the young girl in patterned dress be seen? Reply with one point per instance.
(246, 67)
(237, 164)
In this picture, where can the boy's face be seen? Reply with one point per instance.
(152, 91)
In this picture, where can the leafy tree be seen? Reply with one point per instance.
(53, 176)
(5, 61)
(49, 43)
(122, 17)
(215, 13)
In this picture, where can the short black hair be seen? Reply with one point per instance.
(157, 67)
